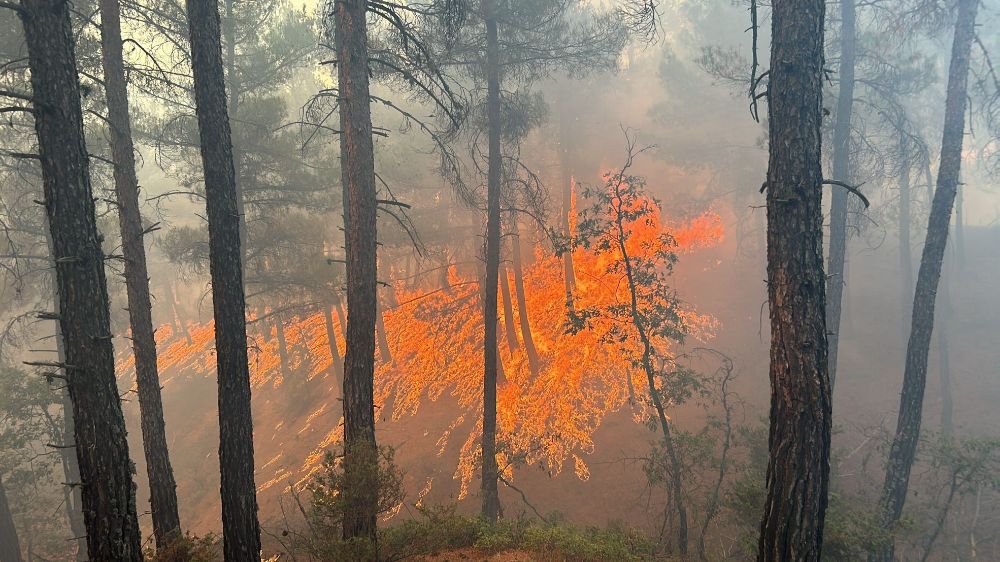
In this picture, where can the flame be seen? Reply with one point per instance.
(546, 417)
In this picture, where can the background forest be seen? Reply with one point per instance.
(493, 278)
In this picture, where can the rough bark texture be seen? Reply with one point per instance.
(911, 401)
(490, 494)
(358, 178)
(798, 468)
(162, 488)
(10, 546)
(841, 172)
(102, 450)
(240, 529)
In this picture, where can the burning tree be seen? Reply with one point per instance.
(647, 318)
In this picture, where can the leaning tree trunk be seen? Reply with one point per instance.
(841, 172)
(162, 488)
(10, 546)
(798, 467)
(240, 528)
(508, 312)
(358, 179)
(904, 444)
(84, 320)
(490, 494)
(522, 303)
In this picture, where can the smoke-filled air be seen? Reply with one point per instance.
(499, 280)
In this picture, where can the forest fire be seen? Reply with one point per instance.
(546, 415)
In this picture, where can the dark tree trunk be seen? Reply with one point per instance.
(841, 172)
(489, 492)
(508, 311)
(905, 255)
(337, 364)
(240, 529)
(84, 320)
(798, 467)
(522, 303)
(904, 444)
(358, 178)
(178, 319)
(10, 546)
(162, 488)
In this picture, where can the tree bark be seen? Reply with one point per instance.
(229, 30)
(240, 528)
(358, 178)
(904, 444)
(10, 546)
(108, 490)
(522, 303)
(799, 441)
(162, 488)
(490, 493)
(841, 172)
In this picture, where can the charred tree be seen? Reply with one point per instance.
(108, 491)
(360, 205)
(162, 488)
(490, 493)
(904, 444)
(240, 528)
(383, 339)
(798, 467)
(10, 546)
(841, 172)
(279, 334)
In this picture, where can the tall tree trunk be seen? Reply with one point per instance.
(10, 546)
(489, 492)
(841, 172)
(337, 364)
(508, 311)
(798, 469)
(358, 178)
(162, 488)
(240, 528)
(905, 255)
(84, 319)
(522, 302)
(904, 444)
